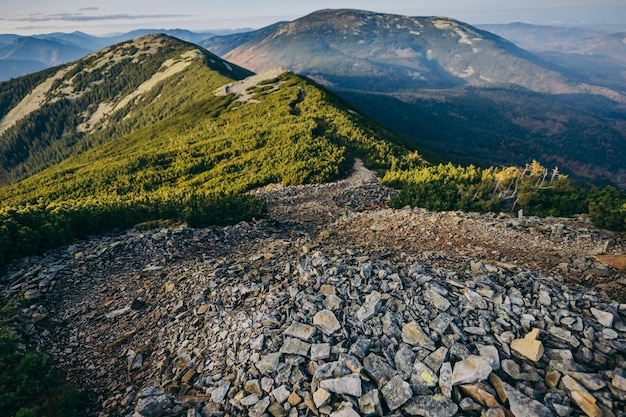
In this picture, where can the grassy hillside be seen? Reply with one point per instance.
(49, 116)
(194, 165)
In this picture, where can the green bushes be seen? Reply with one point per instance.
(30, 386)
(533, 189)
(607, 208)
(34, 228)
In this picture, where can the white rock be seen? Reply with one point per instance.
(604, 317)
(470, 370)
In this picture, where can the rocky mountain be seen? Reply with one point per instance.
(382, 52)
(336, 306)
(50, 116)
(453, 88)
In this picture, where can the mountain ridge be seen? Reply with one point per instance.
(70, 89)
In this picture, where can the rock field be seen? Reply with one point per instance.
(336, 306)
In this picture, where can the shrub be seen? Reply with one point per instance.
(30, 386)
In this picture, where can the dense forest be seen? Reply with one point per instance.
(533, 189)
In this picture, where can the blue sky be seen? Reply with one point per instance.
(28, 17)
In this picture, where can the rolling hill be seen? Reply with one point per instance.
(452, 87)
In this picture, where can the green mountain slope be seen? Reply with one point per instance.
(49, 116)
(186, 149)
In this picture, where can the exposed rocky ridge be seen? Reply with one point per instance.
(336, 305)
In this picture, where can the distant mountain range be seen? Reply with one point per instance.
(589, 55)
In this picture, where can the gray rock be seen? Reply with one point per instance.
(467, 404)
(218, 395)
(609, 334)
(361, 348)
(396, 392)
(391, 327)
(281, 393)
(619, 379)
(349, 385)
(300, 331)
(345, 412)
(326, 321)
(369, 404)
(117, 313)
(268, 364)
(437, 301)
(476, 300)
(430, 406)
(330, 370)
(478, 331)
(561, 333)
(522, 406)
(423, 377)
(491, 354)
(544, 298)
(257, 343)
(441, 323)
(293, 346)
(445, 379)
(436, 359)
(259, 408)
(153, 403)
(249, 400)
(378, 369)
(404, 361)
(604, 317)
(458, 350)
(320, 351)
(332, 302)
(370, 307)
